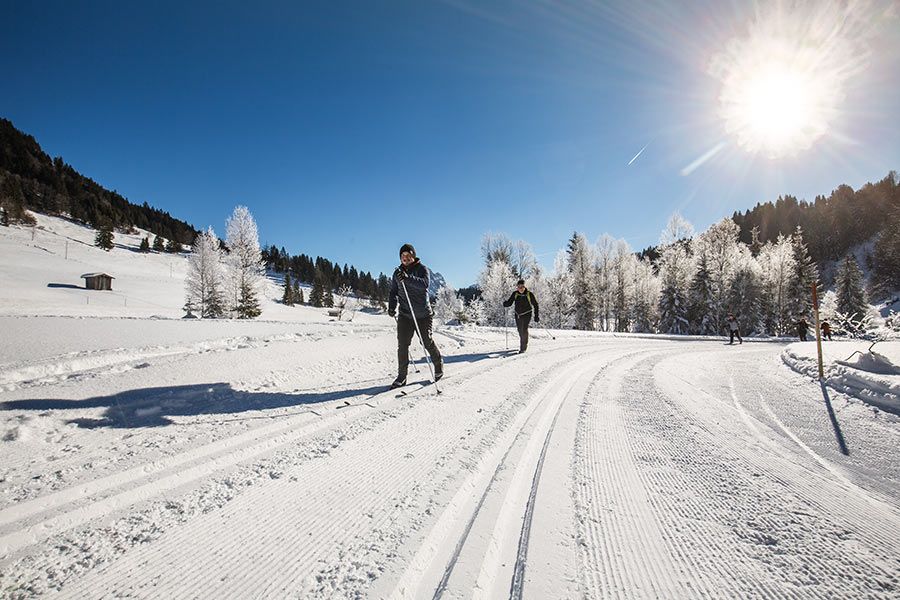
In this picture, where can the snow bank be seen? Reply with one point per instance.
(850, 368)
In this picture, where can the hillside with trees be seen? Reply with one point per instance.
(31, 180)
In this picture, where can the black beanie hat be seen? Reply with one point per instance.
(408, 248)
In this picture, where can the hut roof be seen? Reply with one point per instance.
(86, 275)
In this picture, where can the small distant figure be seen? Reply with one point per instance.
(733, 330)
(802, 328)
(826, 330)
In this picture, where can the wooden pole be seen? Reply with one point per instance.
(815, 299)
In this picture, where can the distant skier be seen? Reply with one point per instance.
(802, 328)
(525, 305)
(826, 330)
(733, 330)
(413, 276)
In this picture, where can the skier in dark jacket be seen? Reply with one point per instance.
(525, 305)
(733, 330)
(826, 330)
(802, 328)
(409, 285)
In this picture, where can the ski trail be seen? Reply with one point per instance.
(323, 524)
(623, 549)
(408, 583)
(827, 465)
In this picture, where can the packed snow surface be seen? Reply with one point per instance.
(153, 457)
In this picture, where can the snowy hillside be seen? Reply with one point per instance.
(149, 456)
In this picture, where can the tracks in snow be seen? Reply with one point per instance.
(678, 498)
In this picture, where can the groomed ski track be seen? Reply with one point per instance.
(590, 466)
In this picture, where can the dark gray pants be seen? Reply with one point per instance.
(522, 322)
(406, 331)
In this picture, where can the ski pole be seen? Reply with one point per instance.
(506, 328)
(414, 363)
(412, 314)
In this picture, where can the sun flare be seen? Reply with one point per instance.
(783, 83)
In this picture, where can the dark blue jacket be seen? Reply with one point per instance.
(416, 282)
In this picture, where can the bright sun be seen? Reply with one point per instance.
(777, 110)
(783, 83)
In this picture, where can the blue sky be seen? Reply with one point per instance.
(349, 128)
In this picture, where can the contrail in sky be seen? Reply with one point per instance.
(638, 154)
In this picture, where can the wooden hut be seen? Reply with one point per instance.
(98, 281)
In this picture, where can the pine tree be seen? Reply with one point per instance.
(145, 245)
(328, 298)
(159, 245)
(298, 293)
(173, 246)
(701, 300)
(248, 302)
(887, 256)
(851, 296)
(316, 296)
(806, 273)
(288, 298)
(104, 237)
(583, 278)
(745, 300)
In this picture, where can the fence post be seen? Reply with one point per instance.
(815, 299)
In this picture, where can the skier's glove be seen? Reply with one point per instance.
(392, 313)
(400, 273)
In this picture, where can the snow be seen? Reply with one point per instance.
(851, 367)
(152, 456)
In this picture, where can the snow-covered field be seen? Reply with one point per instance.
(148, 456)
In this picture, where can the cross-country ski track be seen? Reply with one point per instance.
(277, 465)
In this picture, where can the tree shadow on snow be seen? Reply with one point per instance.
(838, 434)
(154, 407)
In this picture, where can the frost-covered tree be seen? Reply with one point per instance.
(475, 311)
(745, 300)
(851, 295)
(675, 273)
(645, 297)
(605, 253)
(523, 262)
(700, 299)
(622, 273)
(677, 229)
(496, 282)
(204, 278)
(245, 263)
(719, 245)
(583, 277)
(298, 293)
(557, 302)
(806, 273)
(778, 269)
(447, 305)
(496, 246)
